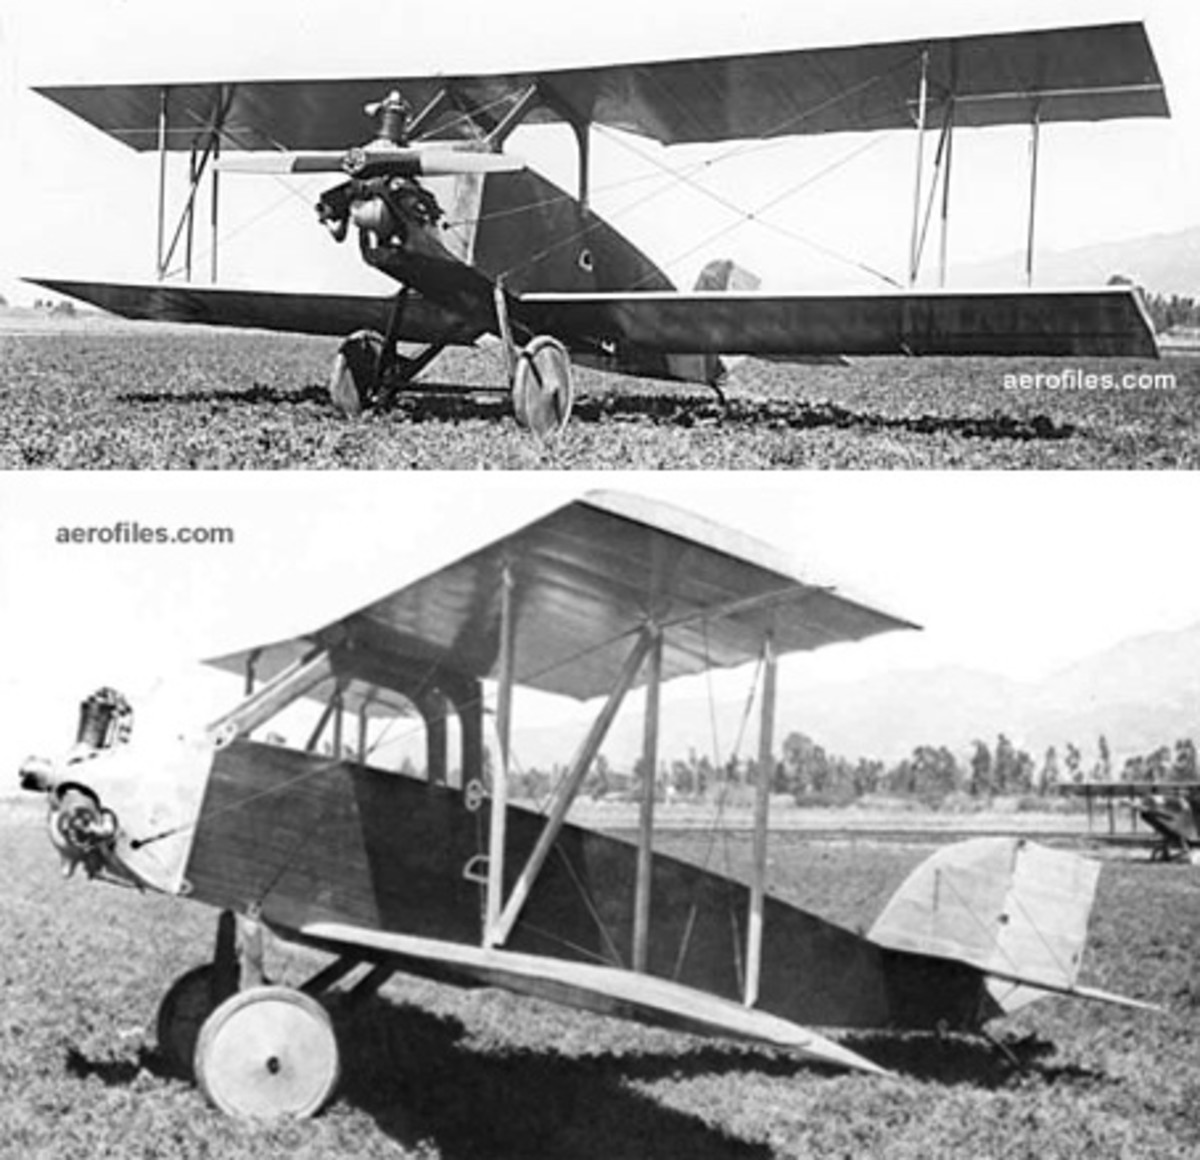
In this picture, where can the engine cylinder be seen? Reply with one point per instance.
(105, 719)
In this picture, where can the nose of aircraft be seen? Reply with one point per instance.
(80, 828)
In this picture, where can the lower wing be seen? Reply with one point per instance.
(679, 335)
(593, 987)
(1105, 322)
(332, 314)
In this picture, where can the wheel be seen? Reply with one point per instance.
(542, 390)
(192, 998)
(353, 382)
(268, 1052)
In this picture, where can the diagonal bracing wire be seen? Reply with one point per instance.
(766, 140)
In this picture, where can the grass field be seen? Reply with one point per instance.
(105, 395)
(434, 1072)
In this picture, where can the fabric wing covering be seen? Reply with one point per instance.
(1080, 73)
(1086, 323)
(587, 578)
(299, 313)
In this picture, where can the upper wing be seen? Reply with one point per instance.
(1082, 73)
(588, 577)
(333, 314)
(1127, 789)
(1109, 321)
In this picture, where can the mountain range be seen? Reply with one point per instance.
(1142, 693)
(1164, 263)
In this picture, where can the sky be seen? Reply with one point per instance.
(85, 206)
(1019, 574)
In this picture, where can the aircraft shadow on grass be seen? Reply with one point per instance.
(414, 1073)
(971, 1060)
(257, 395)
(675, 410)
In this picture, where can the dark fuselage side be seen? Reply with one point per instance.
(531, 236)
(308, 840)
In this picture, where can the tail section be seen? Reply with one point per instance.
(1010, 908)
(725, 274)
(722, 276)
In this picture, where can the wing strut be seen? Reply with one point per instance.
(161, 262)
(762, 806)
(205, 156)
(941, 178)
(296, 680)
(914, 248)
(641, 904)
(499, 807)
(944, 239)
(498, 932)
(1035, 140)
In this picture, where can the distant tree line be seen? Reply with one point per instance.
(60, 309)
(1175, 311)
(1165, 764)
(808, 773)
(1166, 311)
(930, 772)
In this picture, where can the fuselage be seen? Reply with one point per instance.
(454, 240)
(305, 841)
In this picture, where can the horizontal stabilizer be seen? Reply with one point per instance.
(1006, 906)
(1013, 993)
(1106, 322)
(332, 314)
(608, 990)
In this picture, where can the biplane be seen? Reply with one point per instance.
(479, 244)
(1168, 808)
(434, 872)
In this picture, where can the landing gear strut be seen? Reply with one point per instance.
(368, 370)
(367, 374)
(539, 376)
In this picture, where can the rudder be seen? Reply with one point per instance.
(1011, 908)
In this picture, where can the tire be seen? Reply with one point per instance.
(542, 389)
(353, 381)
(268, 1053)
(191, 999)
